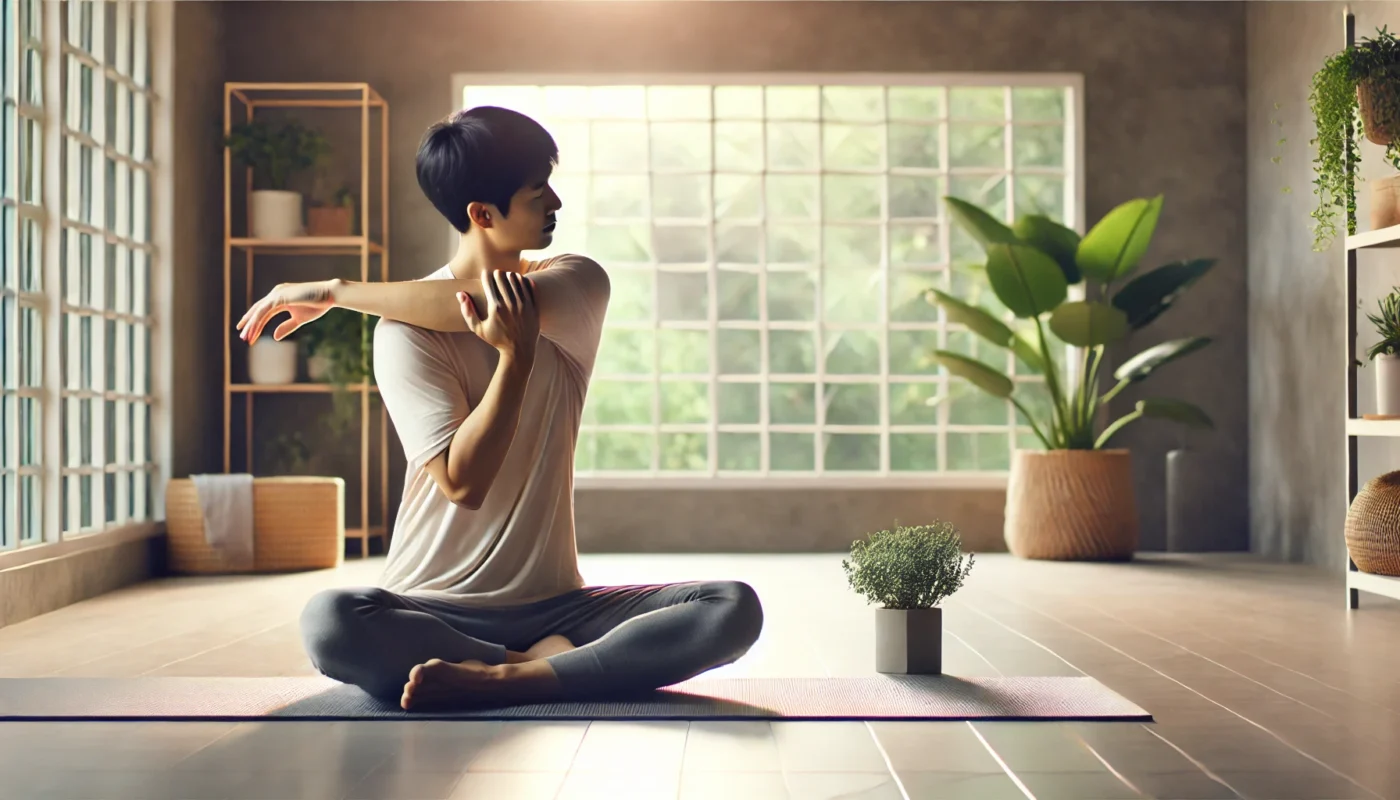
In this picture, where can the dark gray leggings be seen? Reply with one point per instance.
(627, 638)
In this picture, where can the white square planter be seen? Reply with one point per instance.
(909, 641)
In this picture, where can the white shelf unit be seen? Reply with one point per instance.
(1357, 427)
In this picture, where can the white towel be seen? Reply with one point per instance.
(226, 501)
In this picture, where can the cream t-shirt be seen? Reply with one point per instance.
(519, 546)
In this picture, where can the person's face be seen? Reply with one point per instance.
(530, 224)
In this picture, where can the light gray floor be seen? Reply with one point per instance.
(1261, 683)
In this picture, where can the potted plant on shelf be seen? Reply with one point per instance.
(339, 352)
(275, 154)
(271, 362)
(1362, 80)
(336, 218)
(1075, 499)
(1386, 354)
(908, 571)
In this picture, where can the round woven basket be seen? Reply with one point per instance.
(1373, 526)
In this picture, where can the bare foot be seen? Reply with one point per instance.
(549, 646)
(472, 683)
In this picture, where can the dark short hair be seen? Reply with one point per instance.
(484, 154)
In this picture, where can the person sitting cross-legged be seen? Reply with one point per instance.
(483, 367)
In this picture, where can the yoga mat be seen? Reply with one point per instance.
(941, 697)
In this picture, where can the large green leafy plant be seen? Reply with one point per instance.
(1374, 65)
(275, 154)
(908, 567)
(1030, 268)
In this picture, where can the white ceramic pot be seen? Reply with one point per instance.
(272, 362)
(909, 641)
(318, 368)
(1387, 384)
(275, 215)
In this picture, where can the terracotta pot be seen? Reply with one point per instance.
(1385, 202)
(1072, 505)
(329, 221)
(1380, 110)
(1373, 526)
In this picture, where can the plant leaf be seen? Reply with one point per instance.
(1113, 247)
(1057, 241)
(978, 374)
(1144, 363)
(1089, 323)
(981, 322)
(985, 228)
(1028, 351)
(1025, 280)
(1150, 294)
(1176, 411)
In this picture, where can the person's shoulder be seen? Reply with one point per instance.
(589, 272)
(574, 261)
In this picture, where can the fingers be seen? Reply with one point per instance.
(285, 329)
(468, 311)
(509, 291)
(493, 289)
(529, 288)
(517, 286)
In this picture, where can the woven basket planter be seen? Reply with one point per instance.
(1072, 505)
(298, 524)
(1379, 101)
(1373, 526)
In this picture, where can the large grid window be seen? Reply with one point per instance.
(106, 265)
(75, 268)
(770, 245)
(21, 274)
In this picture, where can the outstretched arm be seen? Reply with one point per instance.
(431, 304)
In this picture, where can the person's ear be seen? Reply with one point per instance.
(479, 214)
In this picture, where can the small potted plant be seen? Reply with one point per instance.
(1386, 354)
(275, 155)
(338, 352)
(336, 218)
(908, 571)
(1364, 81)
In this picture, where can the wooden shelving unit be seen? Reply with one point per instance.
(1357, 427)
(241, 102)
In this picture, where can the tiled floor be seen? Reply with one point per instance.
(1261, 683)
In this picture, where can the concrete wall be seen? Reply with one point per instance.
(196, 259)
(1165, 114)
(1297, 297)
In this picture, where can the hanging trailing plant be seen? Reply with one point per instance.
(1360, 87)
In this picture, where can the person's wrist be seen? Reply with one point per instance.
(335, 289)
(518, 359)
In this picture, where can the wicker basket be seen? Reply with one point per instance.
(1373, 526)
(298, 524)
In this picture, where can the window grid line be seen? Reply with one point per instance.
(712, 307)
(945, 247)
(886, 286)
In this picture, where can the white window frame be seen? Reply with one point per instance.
(55, 540)
(1074, 212)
